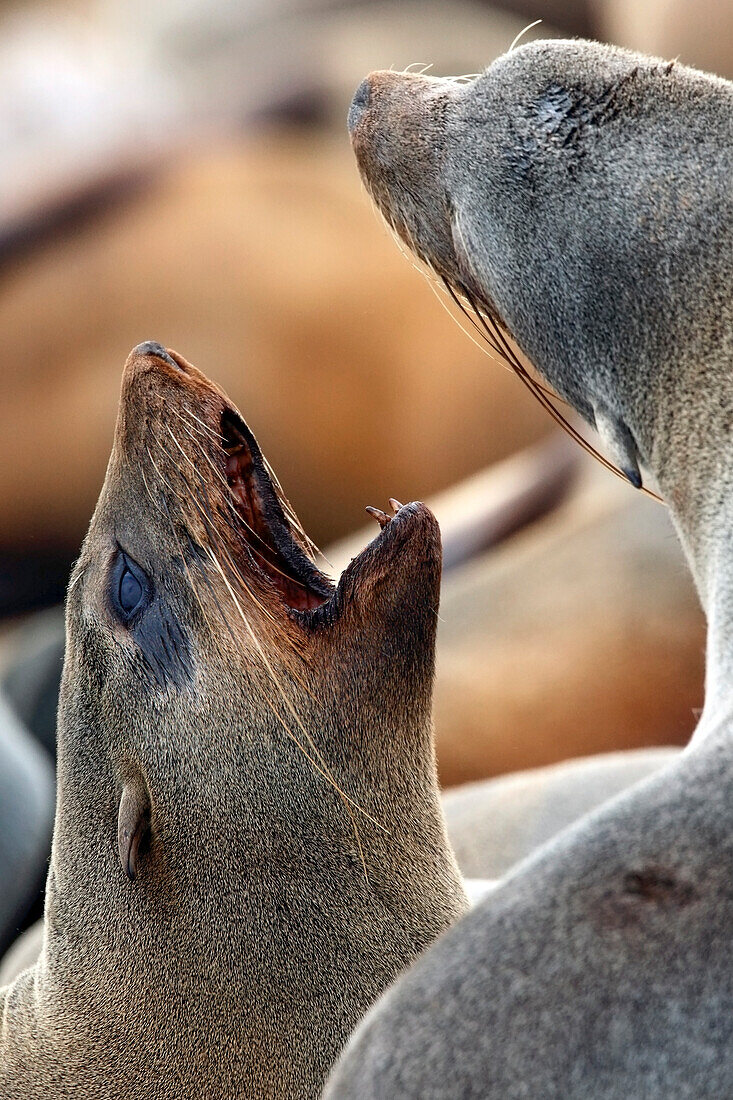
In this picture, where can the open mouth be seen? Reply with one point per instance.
(269, 532)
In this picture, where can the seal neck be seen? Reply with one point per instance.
(694, 468)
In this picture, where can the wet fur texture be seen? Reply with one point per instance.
(586, 201)
(251, 941)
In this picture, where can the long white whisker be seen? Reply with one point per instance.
(522, 34)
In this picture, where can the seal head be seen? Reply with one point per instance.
(571, 192)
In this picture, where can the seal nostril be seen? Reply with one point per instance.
(361, 100)
(152, 347)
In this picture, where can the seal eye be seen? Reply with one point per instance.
(130, 587)
(131, 592)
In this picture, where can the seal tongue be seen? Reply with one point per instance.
(266, 529)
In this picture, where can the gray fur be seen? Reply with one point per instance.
(249, 942)
(585, 196)
(600, 968)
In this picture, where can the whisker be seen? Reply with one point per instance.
(289, 510)
(240, 520)
(205, 514)
(547, 398)
(465, 78)
(166, 508)
(494, 358)
(209, 431)
(505, 356)
(522, 34)
(309, 546)
(217, 474)
(323, 770)
(74, 580)
(204, 510)
(491, 334)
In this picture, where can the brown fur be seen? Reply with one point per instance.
(294, 858)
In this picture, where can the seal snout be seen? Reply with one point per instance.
(360, 102)
(152, 347)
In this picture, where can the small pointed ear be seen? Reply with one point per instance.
(133, 824)
(619, 442)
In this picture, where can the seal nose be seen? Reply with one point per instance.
(152, 347)
(360, 102)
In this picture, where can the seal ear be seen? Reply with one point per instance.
(619, 443)
(133, 824)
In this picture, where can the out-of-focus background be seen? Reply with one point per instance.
(180, 171)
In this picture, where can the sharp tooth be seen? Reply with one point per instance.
(381, 517)
(394, 505)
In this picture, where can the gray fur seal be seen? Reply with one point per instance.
(248, 844)
(582, 196)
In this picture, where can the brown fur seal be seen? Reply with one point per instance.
(248, 843)
(582, 196)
